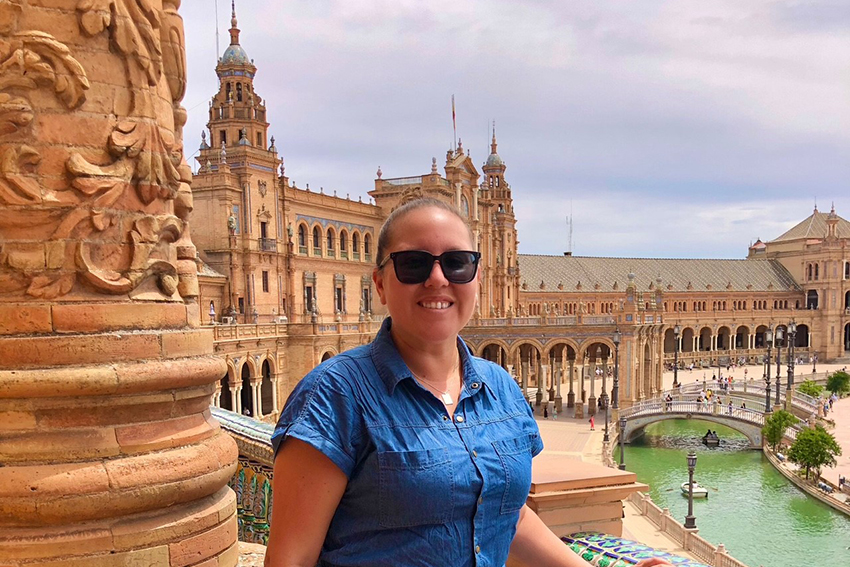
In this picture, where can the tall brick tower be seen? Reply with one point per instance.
(109, 454)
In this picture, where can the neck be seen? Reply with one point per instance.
(439, 365)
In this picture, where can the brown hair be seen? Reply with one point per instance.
(385, 235)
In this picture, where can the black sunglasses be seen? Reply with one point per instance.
(414, 266)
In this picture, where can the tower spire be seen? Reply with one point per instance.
(234, 31)
(493, 143)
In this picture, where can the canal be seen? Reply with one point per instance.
(759, 516)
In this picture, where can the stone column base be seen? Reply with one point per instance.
(202, 532)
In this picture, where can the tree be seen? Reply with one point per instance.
(810, 389)
(838, 383)
(776, 425)
(813, 449)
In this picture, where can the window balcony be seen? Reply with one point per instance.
(268, 244)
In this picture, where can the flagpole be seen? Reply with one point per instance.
(454, 123)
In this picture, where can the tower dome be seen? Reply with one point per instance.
(493, 160)
(234, 54)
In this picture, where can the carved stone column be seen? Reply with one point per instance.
(110, 455)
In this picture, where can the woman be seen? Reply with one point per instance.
(409, 450)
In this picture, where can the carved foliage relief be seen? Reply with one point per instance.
(107, 219)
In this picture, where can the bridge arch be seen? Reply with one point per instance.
(635, 426)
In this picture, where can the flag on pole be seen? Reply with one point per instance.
(454, 121)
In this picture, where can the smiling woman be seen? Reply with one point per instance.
(409, 450)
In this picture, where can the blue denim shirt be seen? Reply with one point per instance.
(423, 488)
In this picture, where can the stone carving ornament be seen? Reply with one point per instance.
(112, 218)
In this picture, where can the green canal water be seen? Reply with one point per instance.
(759, 516)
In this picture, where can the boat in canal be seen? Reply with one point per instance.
(699, 491)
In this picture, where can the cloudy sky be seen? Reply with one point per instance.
(671, 128)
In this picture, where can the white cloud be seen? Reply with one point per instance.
(672, 109)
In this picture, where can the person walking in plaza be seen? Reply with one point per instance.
(394, 453)
(592, 428)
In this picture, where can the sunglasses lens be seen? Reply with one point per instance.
(458, 267)
(412, 266)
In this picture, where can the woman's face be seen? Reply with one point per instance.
(435, 310)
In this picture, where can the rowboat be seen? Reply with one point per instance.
(699, 491)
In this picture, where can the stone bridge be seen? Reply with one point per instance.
(746, 421)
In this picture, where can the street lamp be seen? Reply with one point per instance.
(615, 391)
(690, 520)
(676, 330)
(603, 399)
(212, 313)
(792, 338)
(778, 353)
(622, 440)
(768, 338)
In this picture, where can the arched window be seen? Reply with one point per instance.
(367, 247)
(355, 245)
(238, 92)
(302, 239)
(330, 241)
(343, 244)
(464, 206)
(817, 266)
(317, 241)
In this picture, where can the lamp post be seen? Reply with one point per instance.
(622, 440)
(778, 338)
(615, 392)
(212, 313)
(792, 338)
(690, 520)
(603, 399)
(768, 338)
(676, 330)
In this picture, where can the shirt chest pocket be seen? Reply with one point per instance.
(416, 488)
(515, 459)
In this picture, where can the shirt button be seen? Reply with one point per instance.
(474, 385)
(477, 549)
(459, 419)
(474, 453)
(445, 418)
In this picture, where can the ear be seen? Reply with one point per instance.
(378, 279)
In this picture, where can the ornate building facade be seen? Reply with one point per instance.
(285, 276)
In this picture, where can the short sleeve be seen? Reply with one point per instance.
(321, 412)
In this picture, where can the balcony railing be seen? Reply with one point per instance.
(268, 244)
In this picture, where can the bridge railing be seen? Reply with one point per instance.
(803, 403)
(691, 405)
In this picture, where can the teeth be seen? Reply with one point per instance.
(436, 304)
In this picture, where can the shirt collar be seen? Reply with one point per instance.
(392, 368)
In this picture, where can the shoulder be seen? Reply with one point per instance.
(338, 374)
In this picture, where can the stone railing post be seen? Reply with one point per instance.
(110, 455)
